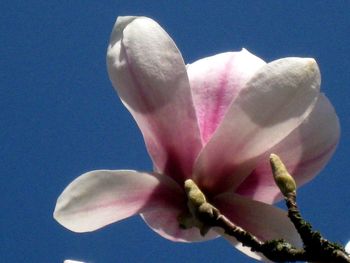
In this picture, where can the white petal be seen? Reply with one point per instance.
(264, 221)
(164, 221)
(148, 72)
(98, 198)
(244, 249)
(347, 248)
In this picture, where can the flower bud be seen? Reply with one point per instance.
(283, 179)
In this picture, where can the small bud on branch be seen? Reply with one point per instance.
(283, 179)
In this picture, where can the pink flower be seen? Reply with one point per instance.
(215, 121)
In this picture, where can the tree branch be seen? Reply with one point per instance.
(204, 216)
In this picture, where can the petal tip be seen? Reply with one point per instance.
(119, 25)
(311, 65)
(63, 220)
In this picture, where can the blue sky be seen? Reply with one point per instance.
(60, 116)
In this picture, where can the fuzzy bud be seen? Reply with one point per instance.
(283, 179)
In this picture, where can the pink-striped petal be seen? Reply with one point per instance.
(164, 221)
(98, 198)
(305, 152)
(215, 82)
(264, 221)
(149, 74)
(274, 102)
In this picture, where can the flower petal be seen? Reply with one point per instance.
(244, 249)
(98, 198)
(274, 102)
(215, 82)
(164, 221)
(347, 248)
(264, 221)
(304, 152)
(149, 74)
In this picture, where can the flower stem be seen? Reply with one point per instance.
(316, 247)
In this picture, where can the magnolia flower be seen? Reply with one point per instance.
(215, 121)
